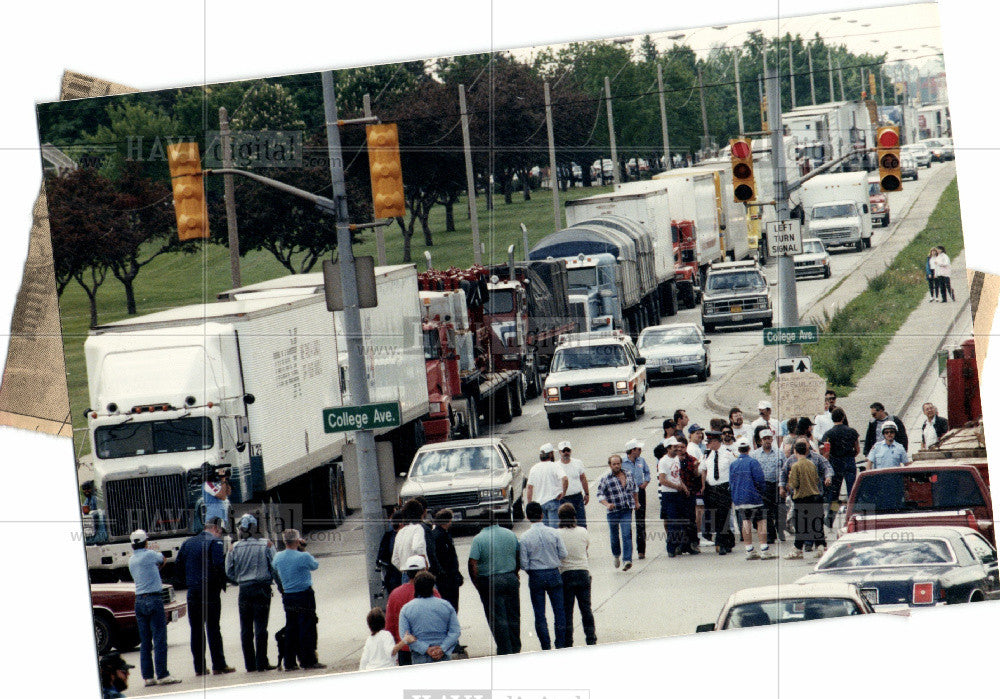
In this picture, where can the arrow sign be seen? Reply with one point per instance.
(792, 365)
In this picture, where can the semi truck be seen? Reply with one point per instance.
(826, 132)
(238, 386)
(836, 209)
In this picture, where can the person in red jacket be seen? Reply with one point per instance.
(400, 596)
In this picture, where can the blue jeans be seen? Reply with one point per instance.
(577, 502)
(540, 583)
(621, 520)
(152, 623)
(550, 512)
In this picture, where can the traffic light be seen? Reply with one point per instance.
(889, 176)
(189, 190)
(386, 172)
(744, 187)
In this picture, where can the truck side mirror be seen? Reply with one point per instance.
(249, 399)
(706, 342)
(640, 361)
(864, 207)
(704, 627)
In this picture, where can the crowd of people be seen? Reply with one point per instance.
(758, 480)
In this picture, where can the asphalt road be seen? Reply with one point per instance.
(658, 597)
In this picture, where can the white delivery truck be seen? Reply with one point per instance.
(239, 385)
(826, 132)
(836, 209)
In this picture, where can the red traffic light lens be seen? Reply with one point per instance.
(888, 139)
(741, 149)
(890, 183)
(743, 192)
(741, 171)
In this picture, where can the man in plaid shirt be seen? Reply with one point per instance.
(618, 492)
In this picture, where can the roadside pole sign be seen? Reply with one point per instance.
(791, 335)
(361, 417)
(792, 365)
(798, 394)
(784, 238)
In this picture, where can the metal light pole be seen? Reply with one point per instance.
(368, 475)
(230, 195)
(470, 179)
(553, 178)
(739, 97)
(611, 134)
(787, 293)
(663, 119)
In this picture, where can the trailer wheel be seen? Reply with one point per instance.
(515, 400)
(472, 417)
(670, 300)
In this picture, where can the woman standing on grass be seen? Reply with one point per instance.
(942, 275)
(929, 271)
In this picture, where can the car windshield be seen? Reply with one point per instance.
(894, 551)
(461, 460)
(663, 337)
(812, 247)
(788, 610)
(592, 357)
(820, 213)
(155, 437)
(749, 280)
(916, 491)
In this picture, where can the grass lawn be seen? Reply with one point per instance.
(854, 337)
(177, 279)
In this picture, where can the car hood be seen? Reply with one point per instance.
(874, 576)
(810, 257)
(578, 376)
(468, 480)
(671, 351)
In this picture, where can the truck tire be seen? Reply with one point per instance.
(708, 328)
(519, 508)
(498, 407)
(472, 418)
(860, 245)
(632, 413)
(515, 400)
(670, 300)
(768, 323)
(556, 421)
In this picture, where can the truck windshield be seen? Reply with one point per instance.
(895, 492)
(582, 277)
(821, 213)
(736, 281)
(156, 437)
(500, 302)
(594, 357)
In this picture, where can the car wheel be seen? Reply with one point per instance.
(555, 422)
(103, 633)
(977, 596)
(916, 176)
(703, 374)
(885, 221)
(632, 412)
(507, 520)
(827, 272)
(519, 508)
(708, 371)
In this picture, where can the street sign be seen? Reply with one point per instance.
(798, 395)
(792, 335)
(792, 365)
(784, 238)
(361, 417)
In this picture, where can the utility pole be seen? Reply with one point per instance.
(840, 75)
(470, 179)
(829, 72)
(812, 81)
(791, 73)
(611, 134)
(368, 475)
(230, 194)
(739, 97)
(553, 176)
(663, 120)
(788, 297)
(379, 233)
(763, 106)
(704, 115)
(881, 85)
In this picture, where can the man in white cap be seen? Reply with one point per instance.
(578, 492)
(888, 453)
(248, 564)
(547, 484)
(746, 483)
(671, 490)
(766, 421)
(634, 465)
(144, 564)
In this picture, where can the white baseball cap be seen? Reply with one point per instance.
(565, 445)
(889, 425)
(766, 433)
(742, 442)
(669, 442)
(138, 536)
(633, 444)
(414, 563)
(764, 405)
(546, 448)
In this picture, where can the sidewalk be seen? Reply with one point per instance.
(895, 376)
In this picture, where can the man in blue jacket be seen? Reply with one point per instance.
(747, 487)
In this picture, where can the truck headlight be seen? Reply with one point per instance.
(552, 394)
(492, 493)
(622, 388)
(89, 528)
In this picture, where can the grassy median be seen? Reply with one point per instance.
(854, 337)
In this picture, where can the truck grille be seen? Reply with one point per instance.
(757, 303)
(466, 499)
(588, 390)
(838, 235)
(157, 504)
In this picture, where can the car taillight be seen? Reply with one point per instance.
(852, 524)
(923, 593)
(970, 519)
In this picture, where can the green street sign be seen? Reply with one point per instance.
(794, 335)
(361, 417)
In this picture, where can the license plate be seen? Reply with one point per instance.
(457, 515)
(738, 317)
(870, 594)
(736, 309)
(588, 406)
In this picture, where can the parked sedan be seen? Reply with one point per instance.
(471, 477)
(940, 151)
(781, 604)
(814, 259)
(908, 166)
(913, 566)
(676, 349)
(114, 614)
(920, 153)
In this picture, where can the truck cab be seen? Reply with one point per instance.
(594, 278)
(735, 293)
(838, 223)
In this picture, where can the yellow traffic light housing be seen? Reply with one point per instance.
(189, 190)
(744, 185)
(890, 176)
(386, 171)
